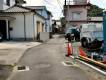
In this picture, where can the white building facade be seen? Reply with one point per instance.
(21, 23)
(4, 4)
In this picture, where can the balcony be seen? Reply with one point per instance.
(68, 2)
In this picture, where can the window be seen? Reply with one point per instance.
(76, 16)
(8, 2)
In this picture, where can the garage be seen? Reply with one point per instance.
(3, 29)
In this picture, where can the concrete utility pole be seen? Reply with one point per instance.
(65, 2)
(68, 13)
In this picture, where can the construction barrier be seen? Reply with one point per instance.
(82, 56)
(69, 49)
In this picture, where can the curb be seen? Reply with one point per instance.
(94, 68)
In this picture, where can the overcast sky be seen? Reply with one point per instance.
(53, 6)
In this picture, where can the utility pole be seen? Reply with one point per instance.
(65, 2)
(68, 18)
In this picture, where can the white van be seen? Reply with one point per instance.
(91, 32)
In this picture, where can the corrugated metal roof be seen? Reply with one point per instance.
(18, 9)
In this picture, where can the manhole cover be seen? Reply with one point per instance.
(42, 65)
(21, 68)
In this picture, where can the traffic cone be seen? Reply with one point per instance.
(69, 50)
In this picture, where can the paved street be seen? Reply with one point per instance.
(46, 62)
(10, 54)
(11, 51)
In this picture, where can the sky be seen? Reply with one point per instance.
(56, 7)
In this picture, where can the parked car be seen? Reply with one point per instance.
(91, 35)
(73, 33)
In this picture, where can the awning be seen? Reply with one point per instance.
(7, 18)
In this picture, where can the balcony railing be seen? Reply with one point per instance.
(76, 2)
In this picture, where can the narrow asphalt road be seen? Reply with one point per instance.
(46, 63)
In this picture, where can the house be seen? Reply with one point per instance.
(57, 27)
(95, 19)
(20, 23)
(46, 14)
(75, 12)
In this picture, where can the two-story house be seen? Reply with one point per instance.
(75, 12)
(46, 14)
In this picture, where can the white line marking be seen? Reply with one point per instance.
(103, 72)
(72, 64)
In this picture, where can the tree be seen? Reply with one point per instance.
(20, 2)
(63, 21)
(95, 11)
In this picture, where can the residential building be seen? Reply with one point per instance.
(57, 27)
(5, 4)
(46, 14)
(75, 12)
(20, 23)
(95, 19)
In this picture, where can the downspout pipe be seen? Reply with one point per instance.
(104, 31)
(24, 26)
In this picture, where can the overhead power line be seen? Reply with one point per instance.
(59, 4)
(49, 3)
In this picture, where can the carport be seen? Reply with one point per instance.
(5, 26)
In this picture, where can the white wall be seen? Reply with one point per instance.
(44, 36)
(1, 4)
(18, 26)
(12, 2)
(30, 25)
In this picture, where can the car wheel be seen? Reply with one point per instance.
(84, 43)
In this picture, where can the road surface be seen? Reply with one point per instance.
(47, 62)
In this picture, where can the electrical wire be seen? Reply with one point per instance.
(59, 4)
(50, 3)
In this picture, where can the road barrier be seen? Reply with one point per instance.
(82, 56)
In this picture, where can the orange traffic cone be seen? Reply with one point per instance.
(69, 50)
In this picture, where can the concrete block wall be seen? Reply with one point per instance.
(44, 36)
